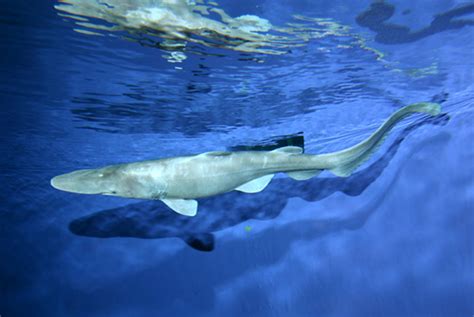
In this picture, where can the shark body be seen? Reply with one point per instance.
(179, 181)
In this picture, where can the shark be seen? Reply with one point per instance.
(148, 220)
(180, 181)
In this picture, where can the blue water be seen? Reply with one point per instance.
(394, 239)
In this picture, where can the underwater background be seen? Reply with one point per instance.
(88, 83)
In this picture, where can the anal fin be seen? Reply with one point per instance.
(255, 185)
(303, 175)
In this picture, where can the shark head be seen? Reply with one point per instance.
(102, 181)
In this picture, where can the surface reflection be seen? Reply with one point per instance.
(195, 106)
(375, 18)
(176, 25)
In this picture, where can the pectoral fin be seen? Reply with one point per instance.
(185, 207)
(303, 175)
(256, 185)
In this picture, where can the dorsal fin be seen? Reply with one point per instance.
(217, 153)
(255, 185)
(289, 150)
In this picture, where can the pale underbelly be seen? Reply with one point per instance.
(199, 187)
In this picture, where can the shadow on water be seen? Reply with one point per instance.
(152, 220)
(388, 33)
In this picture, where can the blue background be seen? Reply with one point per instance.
(394, 239)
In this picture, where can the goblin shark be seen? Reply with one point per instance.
(179, 181)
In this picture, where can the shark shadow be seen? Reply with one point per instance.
(152, 220)
(375, 18)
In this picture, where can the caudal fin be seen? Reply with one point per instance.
(346, 161)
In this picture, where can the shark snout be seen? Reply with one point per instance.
(60, 182)
(56, 182)
(81, 182)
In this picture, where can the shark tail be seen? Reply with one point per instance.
(346, 161)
